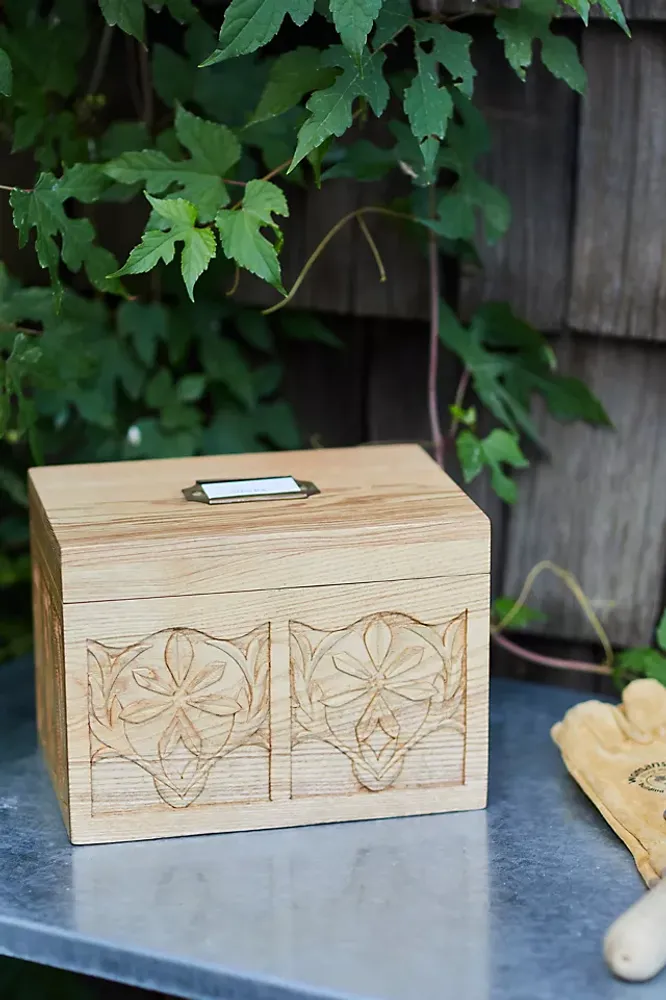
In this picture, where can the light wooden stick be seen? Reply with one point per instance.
(635, 945)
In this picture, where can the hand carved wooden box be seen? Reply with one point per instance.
(316, 653)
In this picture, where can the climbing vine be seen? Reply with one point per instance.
(196, 122)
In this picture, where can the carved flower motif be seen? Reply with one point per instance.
(382, 677)
(377, 688)
(177, 702)
(179, 691)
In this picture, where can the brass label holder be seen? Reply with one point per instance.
(219, 491)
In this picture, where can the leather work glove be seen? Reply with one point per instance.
(617, 754)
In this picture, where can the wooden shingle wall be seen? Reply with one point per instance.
(585, 260)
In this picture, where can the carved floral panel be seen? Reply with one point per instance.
(177, 705)
(377, 692)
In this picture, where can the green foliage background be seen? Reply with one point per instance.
(203, 118)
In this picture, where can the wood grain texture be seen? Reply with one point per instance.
(597, 508)
(533, 136)
(49, 656)
(385, 712)
(618, 283)
(383, 513)
(398, 411)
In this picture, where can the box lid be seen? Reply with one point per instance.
(125, 530)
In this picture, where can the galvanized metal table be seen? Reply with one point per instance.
(507, 903)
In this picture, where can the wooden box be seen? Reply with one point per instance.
(213, 666)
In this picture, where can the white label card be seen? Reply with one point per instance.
(272, 486)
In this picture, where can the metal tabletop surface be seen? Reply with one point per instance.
(511, 902)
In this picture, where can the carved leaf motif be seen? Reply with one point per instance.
(377, 640)
(348, 664)
(217, 705)
(206, 678)
(414, 692)
(148, 679)
(178, 656)
(404, 662)
(343, 698)
(143, 711)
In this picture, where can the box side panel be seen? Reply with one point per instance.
(49, 655)
(296, 706)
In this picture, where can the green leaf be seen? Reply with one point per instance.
(467, 417)
(199, 249)
(14, 486)
(121, 137)
(661, 632)
(213, 147)
(129, 15)
(86, 182)
(353, 20)
(99, 264)
(570, 399)
(394, 16)
(181, 10)
(291, 77)
(455, 217)
(214, 151)
(173, 75)
(470, 455)
(42, 209)
(145, 325)
(497, 449)
(560, 56)
(249, 24)
(160, 389)
(267, 379)
(500, 446)
(640, 662)
(5, 74)
(276, 422)
(524, 616)
(191, 388)
(451, 49)
(155, 246)
(254, 328)
(230, 432)
(581, 7)
(331, 109)
(223, 362)
(306, 326)
(614, 10)
(363, 161)
(428, 105)
(517, 32)
(240, 230)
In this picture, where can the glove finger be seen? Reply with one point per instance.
(644, 704)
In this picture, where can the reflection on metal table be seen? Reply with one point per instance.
(507, 903)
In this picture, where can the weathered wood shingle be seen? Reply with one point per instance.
(597, 508)
(618, 278)
(533, 135)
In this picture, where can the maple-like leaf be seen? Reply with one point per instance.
(159, 245)
(250, 24)
(240, 230)
(331, 110)
(214, 151)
